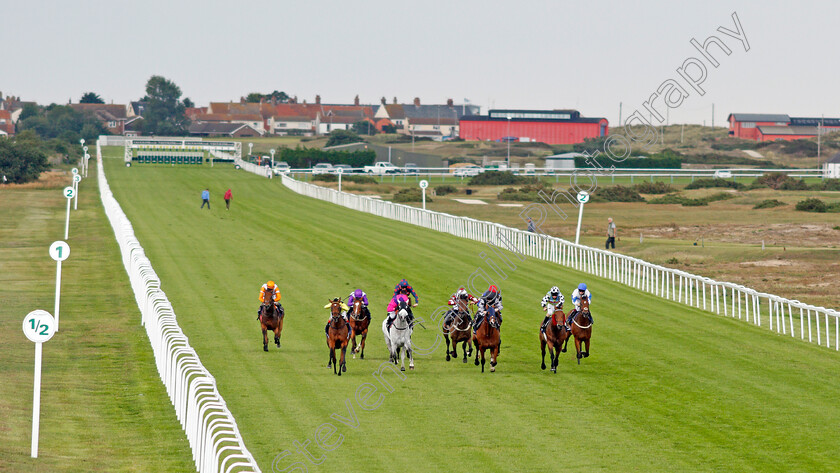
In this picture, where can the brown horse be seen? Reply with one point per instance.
(554, 335)
(488, 337)
(359, 321)
(582, 328)
(458, 330)
(270, 318)
(337, 337)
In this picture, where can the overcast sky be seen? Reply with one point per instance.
(524, 54)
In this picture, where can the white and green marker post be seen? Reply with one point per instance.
(423, 185)
(583, 198)
(38, 326)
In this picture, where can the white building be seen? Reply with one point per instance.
(831, 168)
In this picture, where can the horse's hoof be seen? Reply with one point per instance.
(265, 347)
(411, 368)
(476, 364)
(492, 369)
(343, 368)
(339, 372)
(586, 354)
(554, 370)
(402, 368)
(542, 366)
(563, 350)
(447, 357)
(362, 356)
(465, 359)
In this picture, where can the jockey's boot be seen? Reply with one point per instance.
(327, 329)
(571, 317)
(544, 322)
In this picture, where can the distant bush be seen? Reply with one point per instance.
(412, 194)
(835, 207)
(343, 137)
(325, 177)
(805, 147)
(689, 202)
(732, 144)
(779, 181)
(616, 194)
(672, 260)
(714, 183)
(445, 189)
(360, 179)
(527, 193)
(812, 205)
(501, 178)
(827, 185)
(769, 204)
(707, 158)
(654, 188)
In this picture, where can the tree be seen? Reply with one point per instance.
(22, 158)
(91, 97)
(364, 127)
(254, 97)
(29, 110)
(188, 103)
(343, 137)
(164, 113)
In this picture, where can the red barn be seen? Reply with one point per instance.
(745, 125)
(788, 133)
(545, 126)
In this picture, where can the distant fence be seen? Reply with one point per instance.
(211, 430)
(784, 316)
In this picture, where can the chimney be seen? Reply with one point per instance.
(449, 102)
(383, 100)
(304, 101)
(355, 100)
(416, 101)
(395, 100)
(317, 100)
(241, 100)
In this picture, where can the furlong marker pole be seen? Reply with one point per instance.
(39, 327)
(59, 251)
(583, 198)
(69, 192)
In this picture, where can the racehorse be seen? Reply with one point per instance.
(554, 336)
(270, 318)
(488, 337)
(582, 328)
(458, 330)
(398, 338)
(359, 321)
(337, 337)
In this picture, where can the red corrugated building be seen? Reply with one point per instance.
(770, 126)
(745, 125)
(545, 126)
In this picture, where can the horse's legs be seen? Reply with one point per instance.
(343, 359)
(554, 361)
(401, 356)
(586, 351)
(475, 342)
(494, 354)
(577, 348)
(362, 345)
(277, 336)
(482, 359)
(464, 349)
(542, 347)
(410, 356)
(566, 343)
(446, 337)
(265, 339)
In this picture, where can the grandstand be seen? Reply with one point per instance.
(180, 151)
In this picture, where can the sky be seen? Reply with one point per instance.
(596, 57)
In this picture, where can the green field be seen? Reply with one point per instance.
(103, 407)
(667, 388)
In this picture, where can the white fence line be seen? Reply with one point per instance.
(211, 430)
(784, 316)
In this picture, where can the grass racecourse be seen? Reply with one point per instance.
(667, 388)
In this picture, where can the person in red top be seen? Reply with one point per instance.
(228, 195)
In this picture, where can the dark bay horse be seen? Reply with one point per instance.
(359, 321)
(554, 335)
(488, 337)
(270, 318)
(582, 328)
(458, 330)
(337, 337)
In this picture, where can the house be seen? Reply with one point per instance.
(545, 126)
(112, 116)
(254, 121)
(7, 126)
(770, 126)
(831, 168)
(426, 120)
(134, 126)
(136, 109)
(14, 106)
(239, 130)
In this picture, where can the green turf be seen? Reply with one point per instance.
(103, 407)
(667, 388)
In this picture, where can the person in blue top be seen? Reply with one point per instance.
(576, 294)
(205, 198)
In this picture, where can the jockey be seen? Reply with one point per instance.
(276, 299)
(576, 294)
(360, 295)
(460, 294)
(392, 308)
(404, 288)
(490, 303)
(553, 298)
(344, 310)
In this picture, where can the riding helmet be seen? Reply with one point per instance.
(358, 293)
(555, 290)
(582, 287)
(270, 284)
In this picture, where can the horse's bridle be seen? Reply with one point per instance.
(361, 312)
(407, 325)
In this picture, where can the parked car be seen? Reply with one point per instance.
(281, 168)
(530, 169)
(723, 174)
(381, 168)
(323, 168)
(468, 171)
(345, 168)
(411, 169)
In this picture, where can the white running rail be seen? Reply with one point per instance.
(211, 430)
(785, 316)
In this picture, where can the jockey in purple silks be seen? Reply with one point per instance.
(359, 294)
